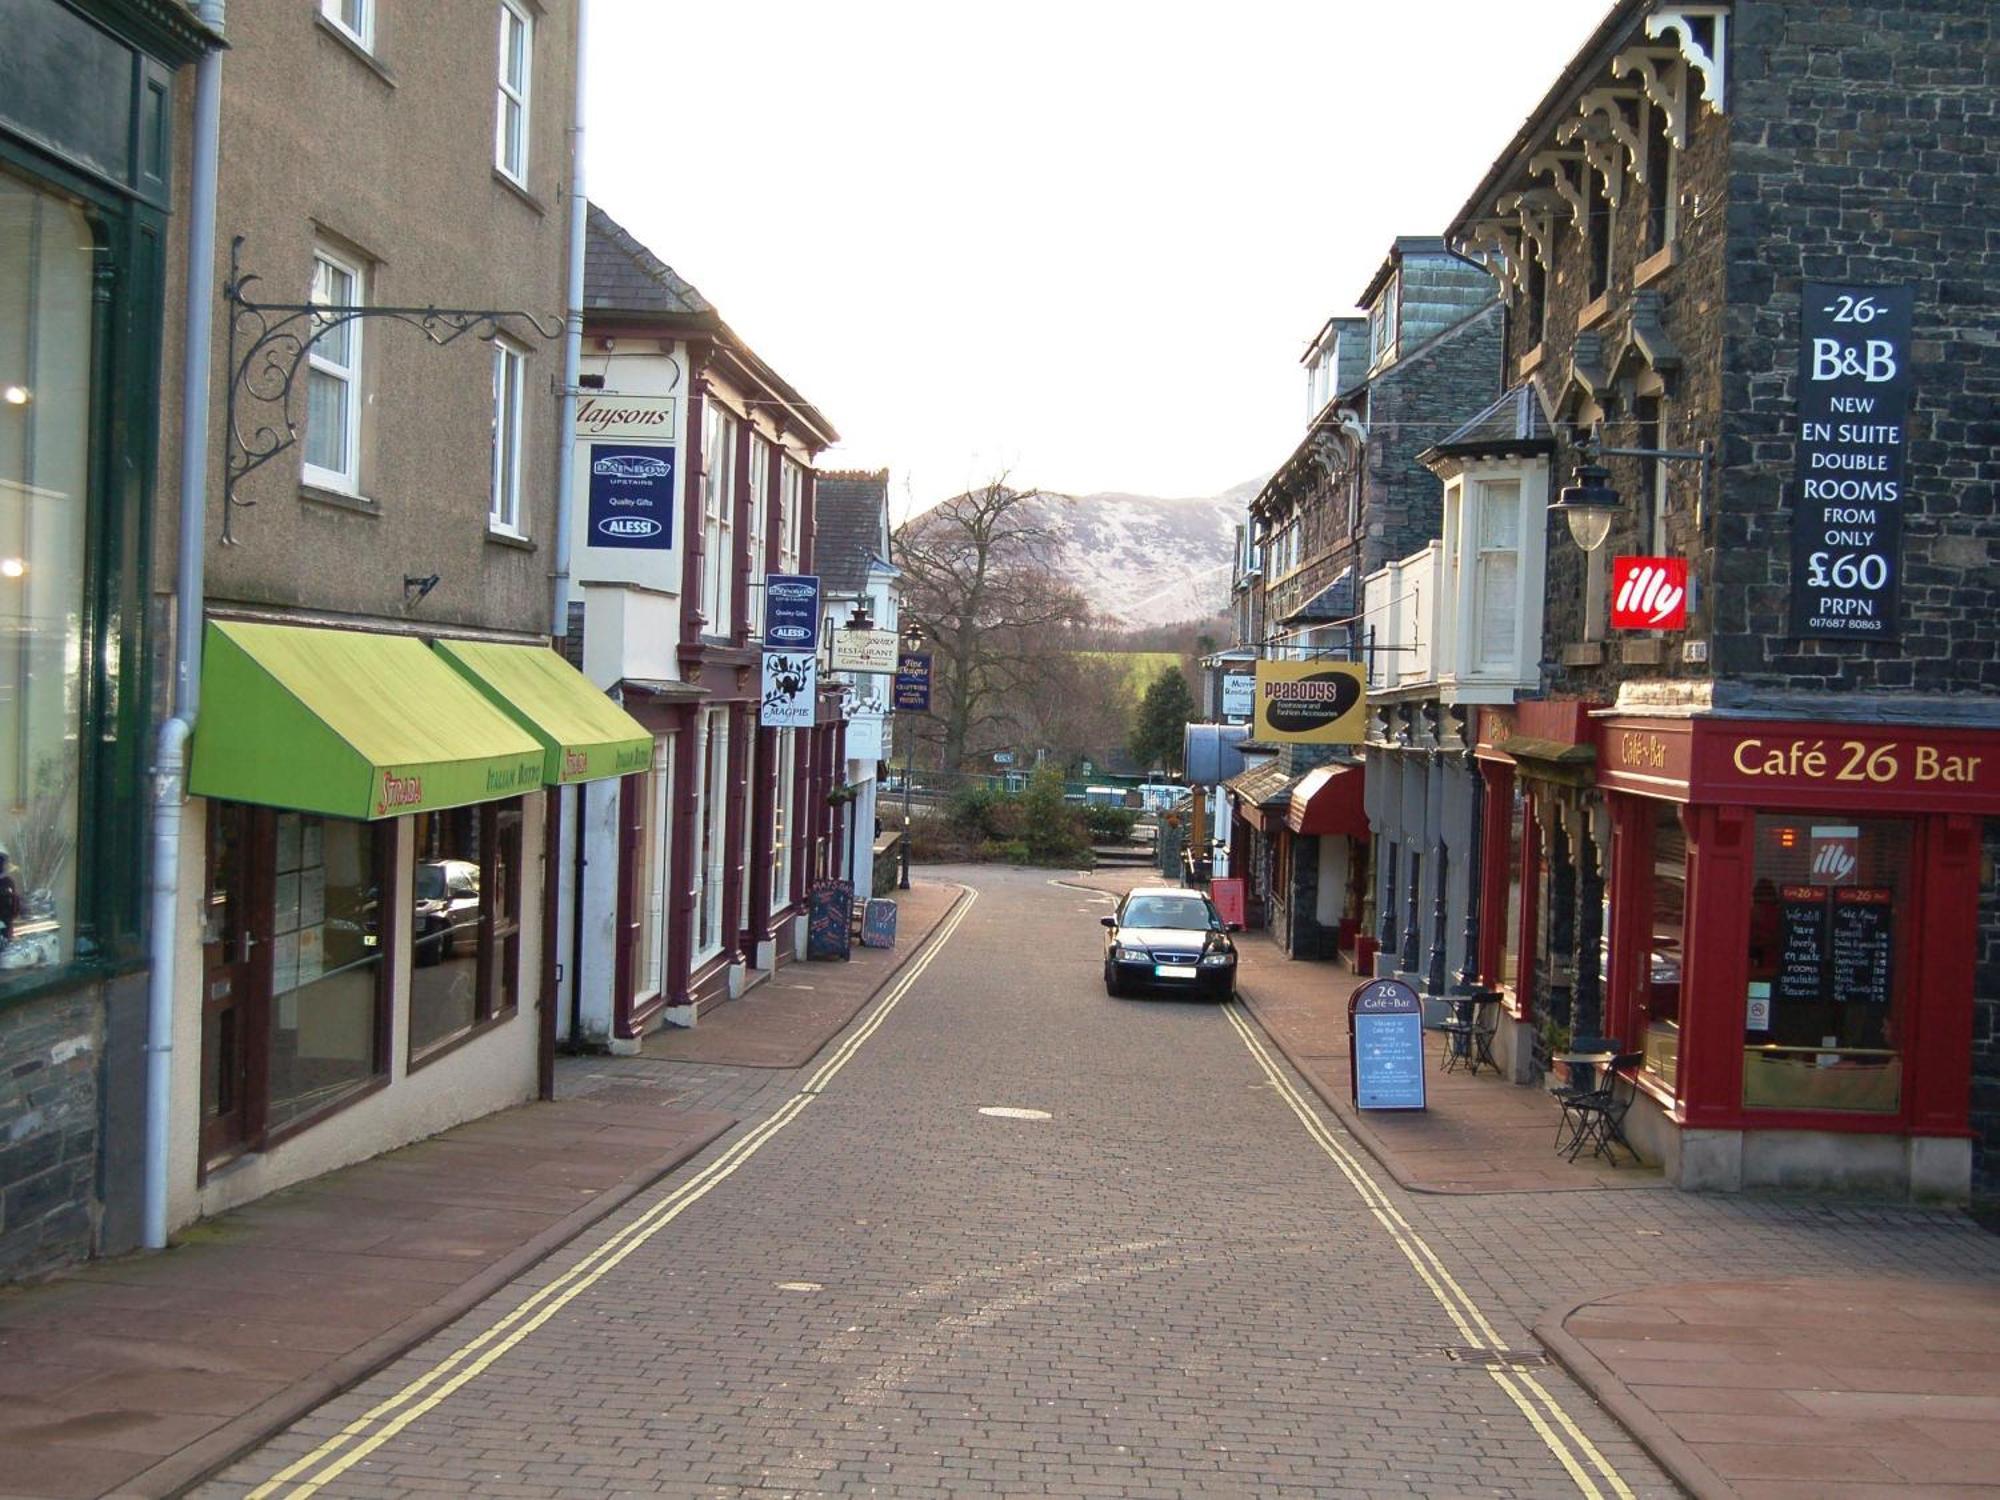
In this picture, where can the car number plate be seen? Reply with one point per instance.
(1174, 971)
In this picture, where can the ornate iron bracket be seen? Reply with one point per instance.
(269, 343)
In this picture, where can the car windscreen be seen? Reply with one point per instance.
(1169, 911)
(430, 882)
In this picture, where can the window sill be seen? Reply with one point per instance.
(292, 1129)
(355, 50)
(1642, 651)
(313, 494)
(1583, 654)
(511, 539)
(1532, 360)
(521, 192)
(1594, 312)
(445, 1046)
(1654, 266)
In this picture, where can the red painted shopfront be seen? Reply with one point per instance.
(1792, 913)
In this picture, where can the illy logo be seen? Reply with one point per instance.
(1649, 593)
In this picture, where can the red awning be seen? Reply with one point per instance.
(1328, 800)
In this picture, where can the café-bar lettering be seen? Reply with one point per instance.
(1852, 760)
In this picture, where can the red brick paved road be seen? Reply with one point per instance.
(1166, 1288)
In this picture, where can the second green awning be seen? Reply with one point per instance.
(583, 734)
(350, 724)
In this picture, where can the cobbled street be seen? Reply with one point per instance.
(1173, 1284)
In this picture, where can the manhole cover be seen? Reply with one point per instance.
(1010, 1112)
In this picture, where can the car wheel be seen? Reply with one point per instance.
(1113, 985)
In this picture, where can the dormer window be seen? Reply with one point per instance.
(1384, 322)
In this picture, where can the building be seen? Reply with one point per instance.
(1352, 496)
(859, 586)
(696, 463)
(87, 182)
(1748, 832)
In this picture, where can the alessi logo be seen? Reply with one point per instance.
(1649, 593)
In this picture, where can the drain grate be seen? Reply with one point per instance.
(1492, 1358)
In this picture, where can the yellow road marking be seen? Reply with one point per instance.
(404, 1407)
(1571, 1447)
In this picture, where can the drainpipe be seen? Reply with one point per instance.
(170, 761)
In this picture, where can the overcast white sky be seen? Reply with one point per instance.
(1085, 241)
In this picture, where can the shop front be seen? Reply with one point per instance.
(370, 930)
(1325, 856)
(1794, 926)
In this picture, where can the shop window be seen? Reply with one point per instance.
(1659, 999)
(748, 852)
(465, 922)
(1829, 929)
(714, 841)
(782, 826)
(1517, 933)
(295, 986)
(46, 255)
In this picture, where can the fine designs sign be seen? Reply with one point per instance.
(631, 495)
(913, 682)
(1847, 510)
(791, 681)
(1309, 702)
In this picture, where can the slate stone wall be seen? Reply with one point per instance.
(49, 1054)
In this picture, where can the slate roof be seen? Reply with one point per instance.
(1262, 786)
(1330, 605)
(847, 528)
(621, 274)
(1515, 424)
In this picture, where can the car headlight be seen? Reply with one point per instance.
(1217, 959)
(1131, 955)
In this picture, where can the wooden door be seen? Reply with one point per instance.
(236, 977)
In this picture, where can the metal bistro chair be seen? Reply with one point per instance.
(1601, 1113)
(1457, 1034)
(1579, 1071)
(1485, 1027)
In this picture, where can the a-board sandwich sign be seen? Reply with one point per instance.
(1385, 1020)
(791, 611)
(1310, 702)
(1849, 493)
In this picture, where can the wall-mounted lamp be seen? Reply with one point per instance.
(17, 395)
(1590, 504)
(913, 636)
(862, 618)
(13, 567)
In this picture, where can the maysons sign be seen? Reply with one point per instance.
(1310, 702)
(1847, 506)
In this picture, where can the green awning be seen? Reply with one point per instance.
(349, 724)
(586, 737)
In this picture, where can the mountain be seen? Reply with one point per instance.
(1143, 560)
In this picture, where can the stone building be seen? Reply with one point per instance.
(1350, 497)
(1747, 836)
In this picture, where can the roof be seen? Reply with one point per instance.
(1403, 244)
(848, 511)
(621, 274)
(1262, 786)
(1514, 424)
(1331, 605)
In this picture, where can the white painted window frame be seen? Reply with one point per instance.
(362, 36)
(517, 93)
(503, 506)
(346, 479)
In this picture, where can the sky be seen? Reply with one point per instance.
(1083, 244)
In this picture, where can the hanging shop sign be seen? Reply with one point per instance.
(1649, 593)
(791, 682)
(791, 611)
(1239, 695)
(631, 495)
(1847, 506)
(1385, 1022)
(864, 650)
(1310, 702)
(913, 682)
(608, 416)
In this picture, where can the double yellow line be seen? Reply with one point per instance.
(471, 1359)
(1577, 1454)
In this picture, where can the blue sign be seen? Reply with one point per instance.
(791, 611)
(1385, 1020)
(913, 682)
(632, 495)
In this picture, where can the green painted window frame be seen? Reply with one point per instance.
(116, 687)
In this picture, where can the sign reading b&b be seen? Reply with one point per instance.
(1310, 702)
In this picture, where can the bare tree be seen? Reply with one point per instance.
(979, 577)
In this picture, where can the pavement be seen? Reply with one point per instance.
(1780, 1388)
(142, 1374)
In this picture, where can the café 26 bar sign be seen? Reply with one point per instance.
(1847, 505)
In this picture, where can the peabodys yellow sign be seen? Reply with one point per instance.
(1310, 702)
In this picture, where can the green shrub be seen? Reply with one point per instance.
(1109, 822)
(1053, 830)
(983, 813)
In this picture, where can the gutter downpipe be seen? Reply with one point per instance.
(170, 760)
(579, 208)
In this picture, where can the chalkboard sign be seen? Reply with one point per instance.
(829, 917)
(1863, 926)
(878, 924)
(1801, 943)
(1385, 1026)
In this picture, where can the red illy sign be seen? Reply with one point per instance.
(1649, 593)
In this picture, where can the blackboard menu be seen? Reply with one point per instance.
(1801, 943)
(829, 919)
(1863, 926)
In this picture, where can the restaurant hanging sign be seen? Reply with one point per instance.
(1849, 493)
(864, 650)
(1309, 702)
